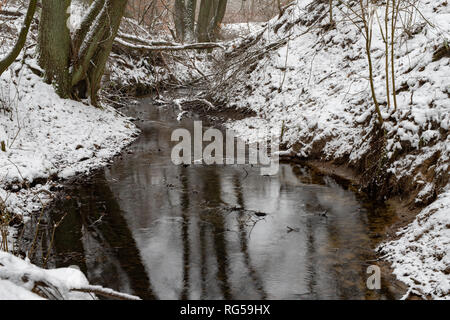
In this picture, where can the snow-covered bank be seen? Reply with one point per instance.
(421, 256)
(313, 89)
(48, 137)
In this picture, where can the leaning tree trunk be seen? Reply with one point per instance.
(86, 25)
(14, 53)
(54, 44)
(86, 44)
(115, 10)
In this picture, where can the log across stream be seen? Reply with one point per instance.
(147, 227)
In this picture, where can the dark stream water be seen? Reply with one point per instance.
(148, 227)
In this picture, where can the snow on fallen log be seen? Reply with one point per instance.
(169, 46)
(133, 38)
(20, 279)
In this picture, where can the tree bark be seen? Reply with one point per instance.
(9, 59)
(179, 17)
(166, 46)
(86, 55)
(191, 8)
(115, 10)
(54, 44)
(204, 17)
(87, 50)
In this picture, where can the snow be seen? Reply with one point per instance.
(18, 278)
(21, 280)
(421, 256)
(77, 11)
(11, 291)
(235, 30)
(316, 87)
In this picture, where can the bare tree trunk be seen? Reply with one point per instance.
(219, 14)
(86, 24)
(88, 47)
(395, 13)
(191, 8)
(116, 10)
(179, 18)
(366, 19)
(9, 59)
(386, 43)
(54, 44)
(203, 20)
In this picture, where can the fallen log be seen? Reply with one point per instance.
(168, 46)
(11, 13)
(132, 38)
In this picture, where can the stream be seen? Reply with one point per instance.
(148, 227)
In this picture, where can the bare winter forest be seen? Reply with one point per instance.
(224, 150)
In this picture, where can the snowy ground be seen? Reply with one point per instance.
(238, 30)
(18, 278)
(316, 89)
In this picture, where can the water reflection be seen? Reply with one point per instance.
(150, 228)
